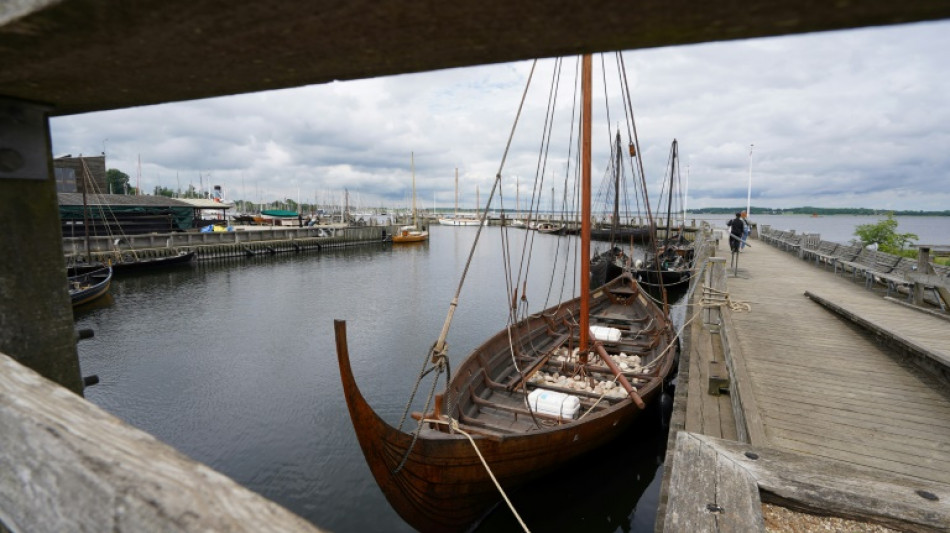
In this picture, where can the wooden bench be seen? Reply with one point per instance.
(780, 239)
(775, 236)
(898, 276)
(871, 263)
(937, 281)
(792, 242)
(823, 253)
(844, 253)
(809, 241)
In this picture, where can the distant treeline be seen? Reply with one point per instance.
(816, 211)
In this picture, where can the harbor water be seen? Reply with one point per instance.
(233, 363)
(840, 228)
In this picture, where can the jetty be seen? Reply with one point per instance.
(805, 385)
(246, 242)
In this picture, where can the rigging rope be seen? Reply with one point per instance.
(415, 434)
(455, 427)
(437, 355)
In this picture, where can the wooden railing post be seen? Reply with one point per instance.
(923, 267)
(716, 282)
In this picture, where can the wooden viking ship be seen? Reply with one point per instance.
(548, 388)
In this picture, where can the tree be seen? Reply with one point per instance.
(118, 182)
(884, 234)
(163, 191)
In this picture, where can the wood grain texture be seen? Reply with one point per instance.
(827, 385)
(66, 465)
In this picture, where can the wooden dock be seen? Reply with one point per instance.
(848, 387)
(248, 241)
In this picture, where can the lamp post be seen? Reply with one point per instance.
(748, 203)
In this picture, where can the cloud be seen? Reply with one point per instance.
(853, 118)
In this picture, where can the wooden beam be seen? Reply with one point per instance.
(67, 465)
(89, 55)
(718, 485)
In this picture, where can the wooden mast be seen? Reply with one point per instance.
(585, 207)
(85, 208)
(674, 156)
(616, 224)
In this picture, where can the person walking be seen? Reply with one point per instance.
(736, 230)
(747, 229)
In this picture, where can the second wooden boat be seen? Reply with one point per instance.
(408, 234)
(89, 285)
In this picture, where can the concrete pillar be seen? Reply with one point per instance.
(36, 317)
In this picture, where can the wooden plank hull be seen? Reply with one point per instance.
(84, 288)
(443, 485)
(155, 262)
(400, 238)
(639, 235)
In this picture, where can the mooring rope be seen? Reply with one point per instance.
(716, 298)
(454, 425)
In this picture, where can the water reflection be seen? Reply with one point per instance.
(233, 363)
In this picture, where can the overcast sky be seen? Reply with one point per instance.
(856, 118)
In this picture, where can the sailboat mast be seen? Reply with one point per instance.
(669, 203)
(586, 76)
(412, 165)
(616, 224)
(85, 208)
(456, 193)
(517, 199)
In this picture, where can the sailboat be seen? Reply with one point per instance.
(615, 231)
(91, 281)
(121, 260)
(411, 233)
(550, 227)
(460, 220)
(549, 387)
(671, 262)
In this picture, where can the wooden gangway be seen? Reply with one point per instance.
(837, 376)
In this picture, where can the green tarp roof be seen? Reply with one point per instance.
(279, 213)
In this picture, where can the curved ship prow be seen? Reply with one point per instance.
(419, 502)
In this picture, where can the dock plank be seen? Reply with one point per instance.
(825, 386)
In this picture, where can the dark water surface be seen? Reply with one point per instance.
(233, 363)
